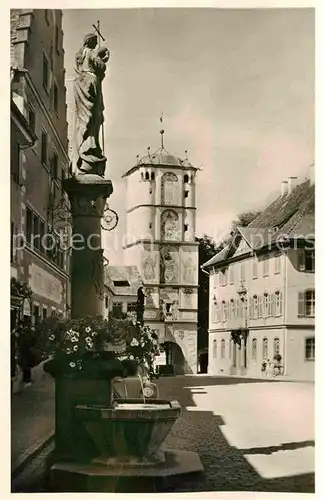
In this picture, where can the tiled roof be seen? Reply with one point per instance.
(219, 257)
(115, 274)
(281, 211)
(291, 215)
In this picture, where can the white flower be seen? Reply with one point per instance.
(89, 344)
(131, 357)
(134, 342)
(68, 351)
(75, 348)
(52, 337)
(73, 365)
(93, 334)
(88, 329)
(88, 340)
(74, 339)
(142, 344)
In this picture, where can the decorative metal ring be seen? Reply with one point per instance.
(109, 220)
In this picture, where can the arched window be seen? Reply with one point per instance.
(152, 176)
(276, 346)
(222, 348)
(186, 178)
(265, 347)
(254, 348)
(169, 189)
(170, 225)
(215, 348)
(147, 176)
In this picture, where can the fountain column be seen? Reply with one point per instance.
(87, 194)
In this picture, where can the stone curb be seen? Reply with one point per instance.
(28, 455)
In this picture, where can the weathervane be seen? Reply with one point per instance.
(161, 131)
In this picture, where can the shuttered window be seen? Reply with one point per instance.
(222, 348)
(278, 304)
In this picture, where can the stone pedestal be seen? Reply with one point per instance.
(87, 194)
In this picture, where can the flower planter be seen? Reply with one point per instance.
(91, 386)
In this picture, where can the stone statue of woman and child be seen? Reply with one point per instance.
(90, 68)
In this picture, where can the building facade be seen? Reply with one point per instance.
(262, 290)
(38, 256)
(121, 285)
(160, 231)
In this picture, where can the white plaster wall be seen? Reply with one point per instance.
(297, 367)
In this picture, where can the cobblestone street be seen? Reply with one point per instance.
(251, 435)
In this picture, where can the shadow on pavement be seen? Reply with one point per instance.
(226, 468)
(273, 449)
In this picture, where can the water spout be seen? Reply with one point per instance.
(142, 385)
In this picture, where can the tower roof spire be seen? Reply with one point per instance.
(161, 130)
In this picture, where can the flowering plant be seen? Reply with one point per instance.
(140, 342)
(74, 343)
(20, 289)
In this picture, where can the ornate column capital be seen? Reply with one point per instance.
(87, 194)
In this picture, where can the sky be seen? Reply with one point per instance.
(236, 88)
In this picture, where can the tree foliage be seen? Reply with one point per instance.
(206, 250)
(245, 218)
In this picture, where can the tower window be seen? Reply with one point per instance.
(152, 176)
(147, 176)
(185, 227)
(186, 178)
(186, 194)
(151, 190)
(150, 225)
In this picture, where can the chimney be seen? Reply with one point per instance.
(292, 183)
(311, 174)
(284, 188)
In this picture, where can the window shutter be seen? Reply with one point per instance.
(250, 308)
(301, 304)
(301, 260)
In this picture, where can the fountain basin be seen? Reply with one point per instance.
(131, 432)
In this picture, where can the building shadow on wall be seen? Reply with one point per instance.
(226, 468)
